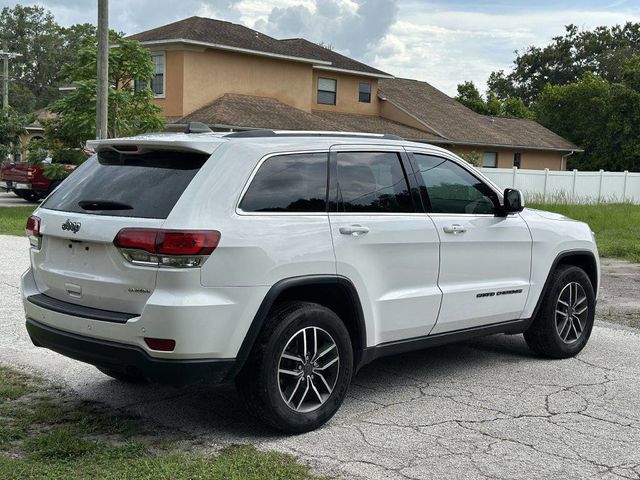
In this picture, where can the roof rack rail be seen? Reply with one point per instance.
(191, 127)
(307, 133)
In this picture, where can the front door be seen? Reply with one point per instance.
(384, 243)
(485, 259)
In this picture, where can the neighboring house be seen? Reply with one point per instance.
(232, 77)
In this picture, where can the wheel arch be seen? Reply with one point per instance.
(332, 291)
(584, 259)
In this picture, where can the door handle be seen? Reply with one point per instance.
(354, 230)
(455, 229)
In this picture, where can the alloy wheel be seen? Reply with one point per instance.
(308, 369)
(571, 314)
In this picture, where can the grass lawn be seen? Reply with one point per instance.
(617, 226)
(14, 219)
(47, 435)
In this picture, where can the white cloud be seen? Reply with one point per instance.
(446, 47)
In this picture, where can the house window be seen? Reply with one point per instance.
(327, 91)
(517, 160)
(157, 81)
(364, 94)
(490, 159)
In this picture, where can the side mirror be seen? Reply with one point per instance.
(513, 201)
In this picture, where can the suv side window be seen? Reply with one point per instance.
(452, 189)
(372, 182)
(289, 183)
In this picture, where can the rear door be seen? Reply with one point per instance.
(384, 242)
(77, 261)
(485, 259)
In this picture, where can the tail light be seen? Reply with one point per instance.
(33, 231)
(30, 171)
(169, 248)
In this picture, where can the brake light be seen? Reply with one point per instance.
(33, 231)
(171, 248)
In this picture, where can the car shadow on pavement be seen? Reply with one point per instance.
(216, 415)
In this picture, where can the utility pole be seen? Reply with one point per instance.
(102, 75)
(6, 56)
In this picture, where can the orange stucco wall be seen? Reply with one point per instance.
(210, 74)
(172, 103)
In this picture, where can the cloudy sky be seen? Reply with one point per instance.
(442, 42)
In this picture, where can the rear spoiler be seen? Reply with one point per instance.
(176, 141)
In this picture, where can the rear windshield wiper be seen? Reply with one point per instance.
(103, 205)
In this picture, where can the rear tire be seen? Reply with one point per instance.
(564, 321)
(123, 377)
(283, 387)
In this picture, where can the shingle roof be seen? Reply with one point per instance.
(256, 112)
(301, 47)
(458, 124)
(352, 122)
(218, 32)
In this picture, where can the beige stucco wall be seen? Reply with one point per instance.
(347, 89)
(209, 74)
(531, 159)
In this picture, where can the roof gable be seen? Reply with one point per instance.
(218, 33)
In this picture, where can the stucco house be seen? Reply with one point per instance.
(232, 77)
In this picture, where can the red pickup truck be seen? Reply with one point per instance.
(27, 181)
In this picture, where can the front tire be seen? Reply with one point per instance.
(565, 319)
(300, 369)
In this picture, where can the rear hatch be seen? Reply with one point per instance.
(77, 261)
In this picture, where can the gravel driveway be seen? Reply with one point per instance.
(484, 408)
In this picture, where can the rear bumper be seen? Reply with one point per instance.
(128, 358)
(11, 185)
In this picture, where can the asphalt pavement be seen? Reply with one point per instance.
(486, 408)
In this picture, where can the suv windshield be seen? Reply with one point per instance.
(146, 185)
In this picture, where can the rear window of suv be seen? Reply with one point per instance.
(146, 185)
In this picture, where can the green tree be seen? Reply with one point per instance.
(130, 112)
(12, 125)
(600, 116)
(469, 96)
(602, 51)
(33, 32)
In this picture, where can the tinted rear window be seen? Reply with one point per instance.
(127, 185)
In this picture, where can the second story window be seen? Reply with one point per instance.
(327, 91)
(157, 81)
(364, 94)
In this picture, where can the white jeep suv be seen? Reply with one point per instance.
(288, 260)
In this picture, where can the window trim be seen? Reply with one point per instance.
(407, 169)
(495, 166)
(335, 92)
(254, 172)
(163, 54)
(360, 92)
(423, 188)
(517, 155)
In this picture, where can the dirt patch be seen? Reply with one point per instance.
(619, 299)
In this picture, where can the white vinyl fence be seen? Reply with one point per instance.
(569, 187)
